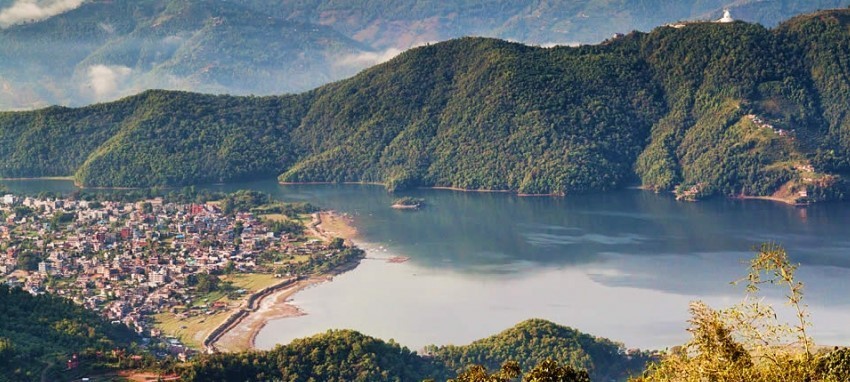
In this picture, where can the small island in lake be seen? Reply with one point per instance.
(408, 203)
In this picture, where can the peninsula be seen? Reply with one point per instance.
(182, 273)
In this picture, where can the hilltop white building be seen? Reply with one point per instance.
(727, 17)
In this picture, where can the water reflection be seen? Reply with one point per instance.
(621, 264)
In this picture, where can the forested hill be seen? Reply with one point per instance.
(533, 341)
(345, 355)
(729, 109)
(37, 331)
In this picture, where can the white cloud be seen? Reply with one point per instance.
(557, 44)
(26, 10)
(107, 81)
(366, 59)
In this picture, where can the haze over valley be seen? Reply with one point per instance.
(76, 52)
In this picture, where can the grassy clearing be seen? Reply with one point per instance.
(191, 330)
(274, 217)
(252, 282)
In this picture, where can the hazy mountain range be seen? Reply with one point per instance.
(75, 52)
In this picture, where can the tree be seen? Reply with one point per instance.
(478, 373)
(337, 243)
(546, 371)
(28, 261)
(747, 342)
(551, 371)
(60, 218)
(7, 350)
(23, 211)
(207, 283)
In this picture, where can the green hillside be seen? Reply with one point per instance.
(37, 331)
(707, 109)
(335, 356)
(483, 114)
(533, 341)
(344, 355)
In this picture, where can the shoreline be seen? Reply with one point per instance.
(241, 334)
(773, 199)
(68, 178)
(446, 188)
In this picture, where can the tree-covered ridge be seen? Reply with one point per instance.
(155, 138)
(182, 138)
(820, 43)
(39, 330)
(709, 109)
(483, 114)
(344, 355)
(720, 80)
(533, 341)
(334, 356)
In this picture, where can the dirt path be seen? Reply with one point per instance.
(46, 369)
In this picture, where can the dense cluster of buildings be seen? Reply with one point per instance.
(128, 261)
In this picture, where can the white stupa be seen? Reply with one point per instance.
(727, 17)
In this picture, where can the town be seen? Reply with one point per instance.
(132, 262)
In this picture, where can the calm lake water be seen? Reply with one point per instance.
(622, 265)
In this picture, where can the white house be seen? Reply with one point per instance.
(9, 199)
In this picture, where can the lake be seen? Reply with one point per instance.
(622, 265)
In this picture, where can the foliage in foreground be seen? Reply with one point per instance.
(747, 342)
(39, 330)
(537, 349)
(337, 355)
(546, 371)
(532, 342)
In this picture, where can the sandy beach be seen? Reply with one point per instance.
(326, 226)
(276, 305)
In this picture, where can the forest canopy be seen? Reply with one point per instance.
(707, 109)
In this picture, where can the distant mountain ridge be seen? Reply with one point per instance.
(385, 24)
(106, 49)
(707, 109)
